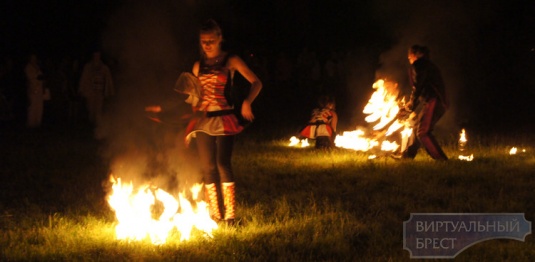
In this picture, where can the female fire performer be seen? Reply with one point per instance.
(428, 88)
(214, 130)
(322, 124)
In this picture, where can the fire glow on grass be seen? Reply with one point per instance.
(382, 109)
(151, 212)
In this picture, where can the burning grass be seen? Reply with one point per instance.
(294, 204)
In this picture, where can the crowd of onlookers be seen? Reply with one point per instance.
(35, 89)
(67, 96)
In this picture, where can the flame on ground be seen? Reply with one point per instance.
(466, 158)
(294, 141)
(514, 151)
(462, 143)
(462, 140)
(151, 212)
(382, 108)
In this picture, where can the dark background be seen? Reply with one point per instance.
(485, 49)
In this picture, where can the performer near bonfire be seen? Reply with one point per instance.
(322, 124)
(214, 130)
(429, 90)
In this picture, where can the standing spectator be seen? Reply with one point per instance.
(35, 90)
(96, 84)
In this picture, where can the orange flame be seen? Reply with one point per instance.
(294, 141)
(135, 212)
(383, 108)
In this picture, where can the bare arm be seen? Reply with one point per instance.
(236, 63)
(334, 121)
(195, 69)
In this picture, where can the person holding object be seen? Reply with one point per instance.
(428, 89)
(217, 124)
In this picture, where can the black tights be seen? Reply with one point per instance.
(215, 153)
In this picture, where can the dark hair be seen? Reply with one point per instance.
(324, 100)
(211, 26)
(420, 50)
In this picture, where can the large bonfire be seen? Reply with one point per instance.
(387, 128)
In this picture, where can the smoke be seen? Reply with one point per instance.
(449, 29)
(150, 45)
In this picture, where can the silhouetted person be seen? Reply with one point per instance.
(35, 91)
(96, 84)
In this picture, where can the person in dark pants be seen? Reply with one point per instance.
(216, 128)
(428, 90)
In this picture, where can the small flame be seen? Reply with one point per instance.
(151, 212)
(463, 136)
(513, 151)
(294, 141)
(462, 140)
(466, 158)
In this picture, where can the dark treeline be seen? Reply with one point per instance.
(299, 49)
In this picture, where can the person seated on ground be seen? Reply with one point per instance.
(322, 124)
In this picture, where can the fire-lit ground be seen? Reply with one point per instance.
(294, 204)
(387, 129)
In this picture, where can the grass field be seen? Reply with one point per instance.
(293, 204)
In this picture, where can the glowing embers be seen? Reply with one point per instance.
(150, 212)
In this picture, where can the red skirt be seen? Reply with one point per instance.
(312, 131)
(224, 125)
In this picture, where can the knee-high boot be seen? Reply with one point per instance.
(229, 201)
(213, 202)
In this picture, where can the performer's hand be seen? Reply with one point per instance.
(246, 111)
(154, 109)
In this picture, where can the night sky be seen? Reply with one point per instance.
(485, 49)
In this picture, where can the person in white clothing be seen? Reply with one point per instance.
(35, 91)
